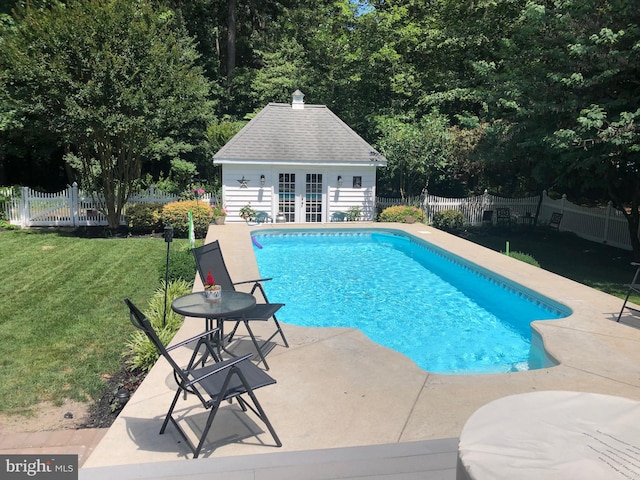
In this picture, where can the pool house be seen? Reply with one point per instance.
(299, 164)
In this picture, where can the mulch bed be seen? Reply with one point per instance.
(119, 389)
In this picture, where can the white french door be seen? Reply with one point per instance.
(300, 197)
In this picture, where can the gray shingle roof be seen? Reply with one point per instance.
(313, 134)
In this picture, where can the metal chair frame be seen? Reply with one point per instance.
(209, 257)
(634, 286)
(211, 384)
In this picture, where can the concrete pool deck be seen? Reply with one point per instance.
(338, 389)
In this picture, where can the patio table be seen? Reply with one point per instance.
(552, 435)
(231, 305)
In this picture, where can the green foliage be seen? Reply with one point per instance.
(177, 214)
(144, 217)
(182, 266)
(449, 220)
(353, 214)
(141, 353)
(124, 89)
(219, 211)
(524, 257)
(181, 177)
(248, 213)
(219, 133)
(418, 152)
(399, 213)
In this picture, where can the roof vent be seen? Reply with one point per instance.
(297, 103)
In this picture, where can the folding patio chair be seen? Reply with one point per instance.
(263, 217)
(209, 258)
(634, 286)
(503, 216)
(211, 384)
(487, 217)
(338, 217)
(556, 218)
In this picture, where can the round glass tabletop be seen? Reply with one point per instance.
(231, 303)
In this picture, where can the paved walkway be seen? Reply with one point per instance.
(80, 442)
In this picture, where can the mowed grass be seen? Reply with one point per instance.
(63, 323)
(599, 266)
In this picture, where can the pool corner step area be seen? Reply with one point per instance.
(428, 459)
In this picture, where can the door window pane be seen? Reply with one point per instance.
(287, 196)
(313, 198)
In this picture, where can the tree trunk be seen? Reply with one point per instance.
(3, 172)
(231, 42)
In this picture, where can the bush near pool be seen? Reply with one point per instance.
(399, 213)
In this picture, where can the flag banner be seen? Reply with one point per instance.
(192, 237)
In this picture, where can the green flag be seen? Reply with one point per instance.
(192, 237)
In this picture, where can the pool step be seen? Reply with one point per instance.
(429, 459)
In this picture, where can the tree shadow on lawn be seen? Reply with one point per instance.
(599, 266)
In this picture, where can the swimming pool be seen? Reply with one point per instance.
(445, 313)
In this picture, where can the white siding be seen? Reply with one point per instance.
(265, 198)
(235, 196)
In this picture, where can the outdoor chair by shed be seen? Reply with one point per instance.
(263, 217)
(633, 287)
(212, 383)
(487, 218)
(556, 218)
(338, 217)
(209, 258)
(503, 216)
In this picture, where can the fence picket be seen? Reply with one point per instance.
(72, 207)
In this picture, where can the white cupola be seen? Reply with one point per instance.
(297, 103)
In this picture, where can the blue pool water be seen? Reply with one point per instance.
(446, 314)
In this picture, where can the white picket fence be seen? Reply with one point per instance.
(70, 207)
(599, 224)
(73, 208)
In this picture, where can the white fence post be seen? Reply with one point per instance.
(607, 219)
(74, 205)
(24, 207)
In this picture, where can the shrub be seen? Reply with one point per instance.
(449, 220)
(182, 266)
(524, 257)
(177, 214)
(399, 213)
(144, 217)
(141, 353)
(353, 214)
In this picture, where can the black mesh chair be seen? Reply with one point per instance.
(487, 217)
(222, 380)
(209, 259)
(556, 218)
(503, 216)
(633, 287)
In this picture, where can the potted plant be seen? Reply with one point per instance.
(248, 213)
(212, 292)
(219, 214)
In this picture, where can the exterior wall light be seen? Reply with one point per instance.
(262, 180)
(339, 180)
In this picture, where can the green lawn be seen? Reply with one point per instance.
(63, 323)
(599, 266)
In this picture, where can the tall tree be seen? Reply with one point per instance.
(417, 151)
(116, 80)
